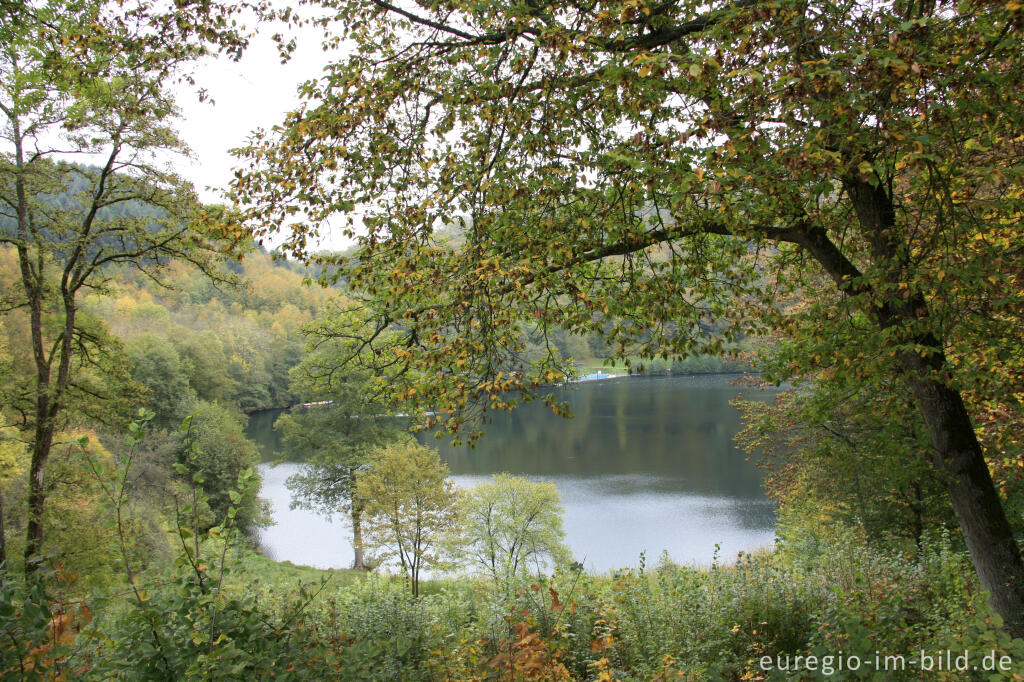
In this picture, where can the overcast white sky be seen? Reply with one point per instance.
(252, 93)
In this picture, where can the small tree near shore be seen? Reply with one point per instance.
(409, 505)
(334, 442)
(510, 522)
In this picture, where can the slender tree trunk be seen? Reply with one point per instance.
(48, 397)
(359, 563)
(42, 443)
(917, 509)
(32, 275)
(36, 497)
(33, 281)
(3, 540)
(48, 403)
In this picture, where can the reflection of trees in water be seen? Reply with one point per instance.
(666, 426)
(260, 429)
(678, 482)
(679, 430)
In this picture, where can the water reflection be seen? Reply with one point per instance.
(647, 464)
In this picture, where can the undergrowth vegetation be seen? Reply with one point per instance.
(220, 611)
(239, 616)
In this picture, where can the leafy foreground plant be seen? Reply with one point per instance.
(37, 628)
(190, 627)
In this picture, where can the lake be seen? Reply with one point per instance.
(647, 464)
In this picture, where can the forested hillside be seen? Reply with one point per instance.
(230, 344)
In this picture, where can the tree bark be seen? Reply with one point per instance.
(34, 283)
(48, 404)
(359, 563)
(42, 444)
(36, 499)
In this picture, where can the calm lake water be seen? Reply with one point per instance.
(647, 464)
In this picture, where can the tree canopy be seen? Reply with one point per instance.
(644, 168)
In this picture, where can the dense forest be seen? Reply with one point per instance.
(826, 195)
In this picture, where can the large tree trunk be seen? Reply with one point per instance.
(956, 454)
(359, 563)
(979, 511)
